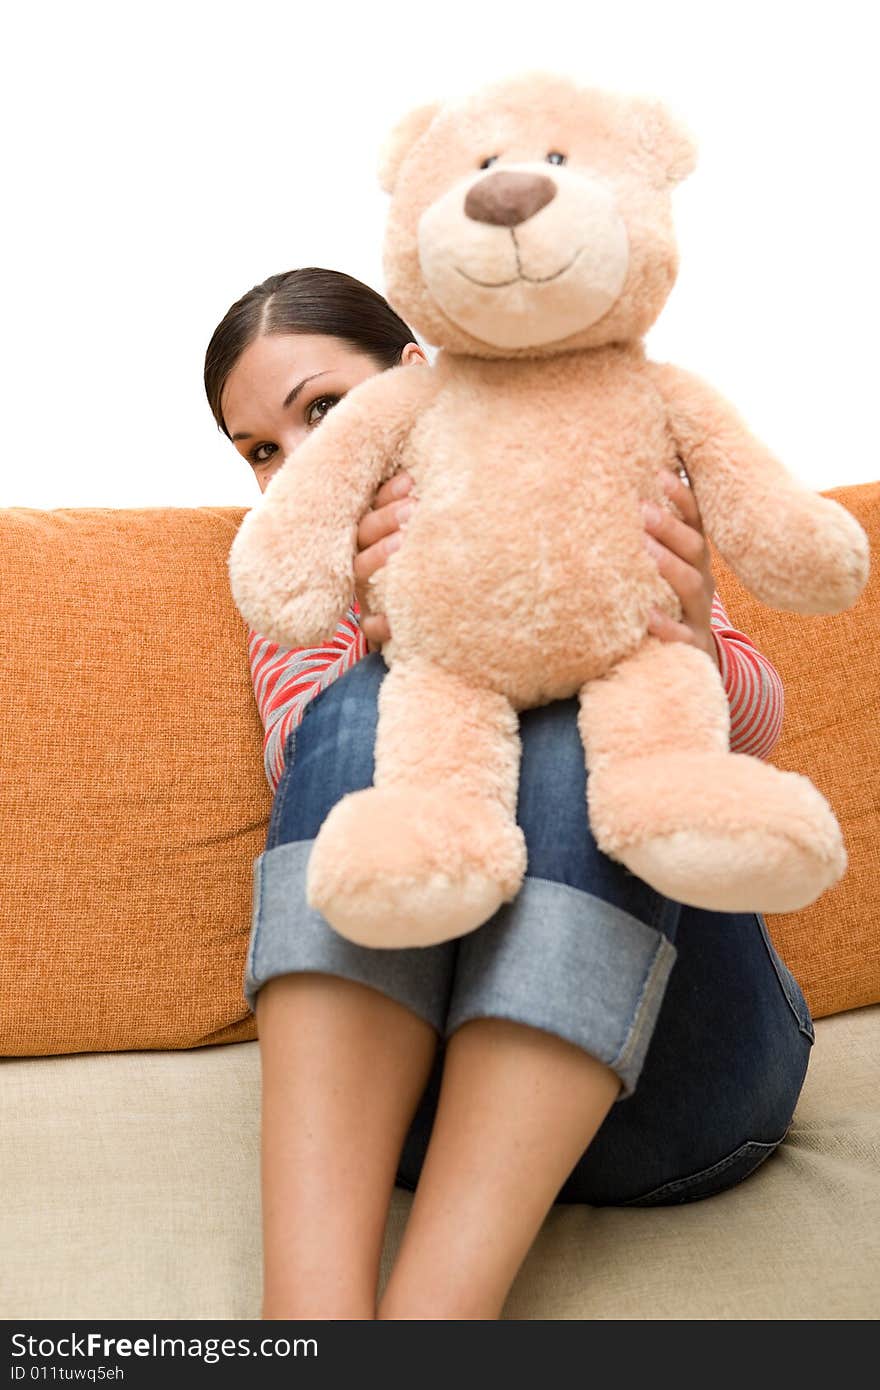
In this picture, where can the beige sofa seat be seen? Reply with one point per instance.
(131, 1190)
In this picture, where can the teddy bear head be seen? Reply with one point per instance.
(533, 217)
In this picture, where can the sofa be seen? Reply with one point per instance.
(135, 803)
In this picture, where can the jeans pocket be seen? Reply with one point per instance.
(708, 1182)
(788, 984)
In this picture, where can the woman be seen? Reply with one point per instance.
(510, 1069)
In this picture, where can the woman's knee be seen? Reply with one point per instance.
(721, 1079)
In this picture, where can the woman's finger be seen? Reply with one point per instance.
(374, 626)
(375, 629)
(668, 630)
(381, 521)
(678, 536)
(395, 488)
(378, 536)
(682, 495)
(684, 577)
(366, 562)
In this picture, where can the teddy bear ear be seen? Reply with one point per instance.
(401, 140)
(669, 146)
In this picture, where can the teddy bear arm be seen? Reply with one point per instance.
(793, 548)
(291, 565)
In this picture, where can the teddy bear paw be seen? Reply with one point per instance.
(402, 866)
(721, 831)
(753, 871)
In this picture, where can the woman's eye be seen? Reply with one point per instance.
(554, 157)
(492, 159)
(257, 455)
(320, 407)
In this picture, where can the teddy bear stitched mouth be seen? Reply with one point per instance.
(532, 279)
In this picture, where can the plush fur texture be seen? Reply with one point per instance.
(530, 237)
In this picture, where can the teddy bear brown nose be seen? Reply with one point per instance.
(505, 199)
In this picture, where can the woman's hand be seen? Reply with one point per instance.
(378, 536)
(682, 555)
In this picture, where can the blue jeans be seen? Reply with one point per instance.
(706, 1028)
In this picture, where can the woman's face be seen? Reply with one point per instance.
(282, 386)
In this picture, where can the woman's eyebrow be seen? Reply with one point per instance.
(288, 399)
(291, 397)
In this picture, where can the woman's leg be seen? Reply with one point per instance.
(343, 1067)
(517, 1108)
(731, 1039)
(716, 1089)
(346, 1035)
(552, 1009)
(721, 1079)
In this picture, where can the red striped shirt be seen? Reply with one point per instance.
(286, 678)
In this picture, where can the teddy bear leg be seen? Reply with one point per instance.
(432, 849)
(714, 829)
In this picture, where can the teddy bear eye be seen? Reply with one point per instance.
(492, 159)
(554, 157)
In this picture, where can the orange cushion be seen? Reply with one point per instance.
(830, 668)
(133, 795)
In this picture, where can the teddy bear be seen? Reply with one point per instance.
(529, 237)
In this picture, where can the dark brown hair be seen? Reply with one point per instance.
(309, 300)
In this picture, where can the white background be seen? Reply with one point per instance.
(163, 158)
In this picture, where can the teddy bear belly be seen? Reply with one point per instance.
(535, 631)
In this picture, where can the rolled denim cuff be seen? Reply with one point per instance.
(559, 959)
(288, 936)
